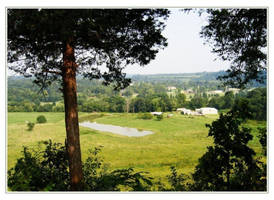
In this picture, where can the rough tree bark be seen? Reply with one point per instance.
(71, 116)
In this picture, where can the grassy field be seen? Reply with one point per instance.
(179, 141)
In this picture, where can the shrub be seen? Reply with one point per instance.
(159, 117)
(177, 181)
(230, 164)
(145, 116)
(47, 170)
(30, 125)
(263, 139)
(43, 170)
(41, 119)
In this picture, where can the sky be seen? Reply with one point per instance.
(186, 51)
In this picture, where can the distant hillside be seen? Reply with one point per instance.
(188, 80)
(185, 77)
(200, 76)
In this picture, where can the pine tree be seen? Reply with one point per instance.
(58, 44)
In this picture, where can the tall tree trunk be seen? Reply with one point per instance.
(228, 167)
(71, 117)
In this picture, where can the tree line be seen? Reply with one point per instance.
(140, 97)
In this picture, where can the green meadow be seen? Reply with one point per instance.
(177, 141)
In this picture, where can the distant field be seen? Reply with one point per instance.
(20, 118)
(179, 141)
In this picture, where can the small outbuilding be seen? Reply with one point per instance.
(185, 111)
(207, 111)
(156, 113)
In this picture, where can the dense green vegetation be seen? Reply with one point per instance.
(47, 170)
(229, 164)
(144, 95)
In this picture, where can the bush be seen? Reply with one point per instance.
(145, 116)
(159, 117)
(43, 170)
(41, 119)
(263, 139)
(230, 164)
(30, 125)
(47, 170)
(177, 181)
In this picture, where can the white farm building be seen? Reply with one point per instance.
(187, 111)
(156, 113)
(200, 111)
(207, 111)
(184, 110)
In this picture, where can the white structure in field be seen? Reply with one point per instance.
(184, 110)
(171, 88)
(234, 90)
(207, 111)
(187, 111)
(215, 92)
(156, 113)
(200, 111)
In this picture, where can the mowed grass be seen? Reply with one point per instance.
(177, 141)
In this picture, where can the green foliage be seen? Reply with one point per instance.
(138, 105)
(252, 105)
(47, 170)
(258, 103)
(241, 108)
(216, 102)
(228, 100)
(181, 100)
(97, 177)
(263, 139)
(44, 170)
(197, 102)
(177, 181)
(41, 119)
(159, 117)
(240, 36)
(93, 97)
(229, 164)
(145, 116)
(30, 126)
(116, 104)
(117, 180)
(115, 37)
(165, 103)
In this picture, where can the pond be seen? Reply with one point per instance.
(130, 132)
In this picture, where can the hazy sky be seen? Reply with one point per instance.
(186, 51)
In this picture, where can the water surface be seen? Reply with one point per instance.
(130, 132)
